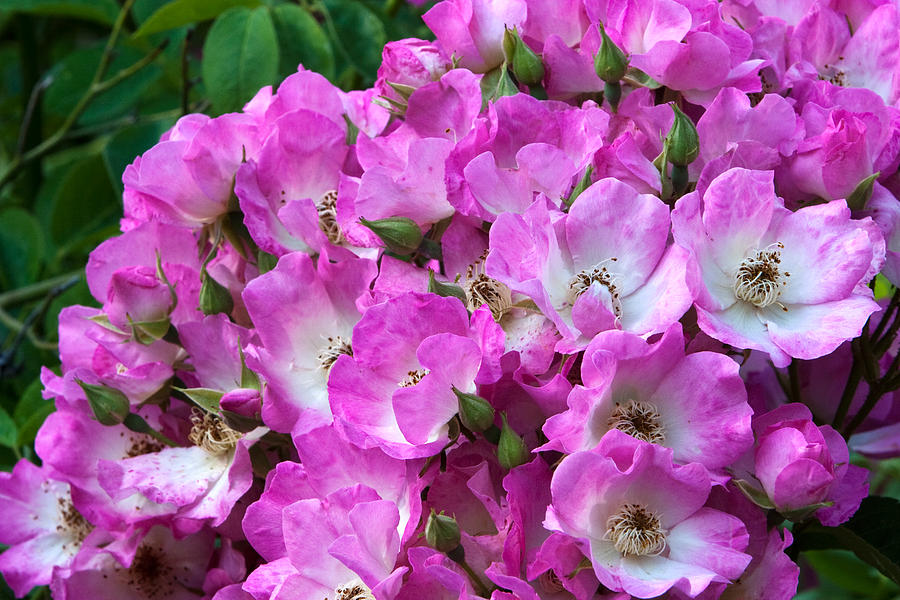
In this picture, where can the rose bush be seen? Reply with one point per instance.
(473, 333)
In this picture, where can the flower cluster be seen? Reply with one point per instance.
(556, 310)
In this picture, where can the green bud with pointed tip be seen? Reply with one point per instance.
(442, 532)
(525, 64)
(511, 450)
(400, 235)
(214, 297)
(475, 412)
(610, 62)
(682, 143)
(110, 406)
(445, 289)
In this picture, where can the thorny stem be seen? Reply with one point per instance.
(97, 86)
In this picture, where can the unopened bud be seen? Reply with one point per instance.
(511, 450)
(682, 143)
(525, 64)
(442, 532)
(610, 63)
(110, 406)
(475, 412)
(214, 297)
(400, 235)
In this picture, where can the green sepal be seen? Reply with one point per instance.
(858, 199)
(110, 406)
(400, 235)
(206, 398)
(445, 289)
(511, 449)
(475, 412)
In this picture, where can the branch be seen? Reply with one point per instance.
(96, 87)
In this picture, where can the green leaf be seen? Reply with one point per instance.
(84, 202)
(21, 248)
(30, 402)
(129, 142)
(301, 41)
(30, 413)
(8, 433)
(73, 74)
(185, 12)
(240, 56)
(205, 398)
(849, 573)
(358, 35)
(28, 430)
(866, 534)
(103, 11)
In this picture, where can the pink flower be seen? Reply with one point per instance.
(160, 563)
(603, 266)
(396, 390)
(789, 284)
(42, 528)
(304, 317)
(801, 466)
(187, 178)
(473, 29)
(642, 520)
(410, 62)
(695, 403)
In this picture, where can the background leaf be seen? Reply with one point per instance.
(240, 56)
(358, 35)
(185, 12)
(73, 74)
(301, 40)
(865, 534)
(21, 248)
(103, 11)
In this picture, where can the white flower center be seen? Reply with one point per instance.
(585, 278)
(481, 289)
(211, 433)
(635, 531)
(326, 207)
(330, 353)
(640, 420)
(759, 280)
(355, 590)
(74, 524)
(413, 377)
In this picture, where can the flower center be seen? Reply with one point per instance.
(211, 433)
(413, 377)
(73, 523)
(150, 575)
(834, 75)
(328, 355)
(481, 289)
(355, 590)
(640, 420)
(326, 208)
(584, 279)
(759, 280)
(142, 445)
(635, 531)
